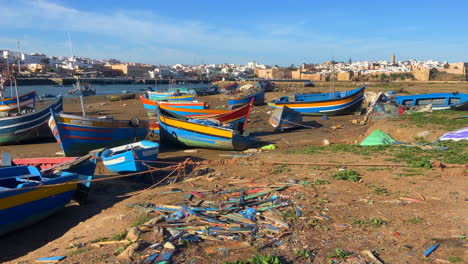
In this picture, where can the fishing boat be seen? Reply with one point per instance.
(41, 163)
(334, 103)
(32, 125)
(229, 87)
(130, 158)
(439, 101)
(10, 104)
(28, 195)
(151, 105)
(199, 133)
(157, 96)
(79, 134)
(256, 93)
(84, 90)
(285, 118)
(213, 89)
(239, 115)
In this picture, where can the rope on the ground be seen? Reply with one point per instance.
(176, 168)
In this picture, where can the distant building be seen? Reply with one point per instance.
(393, 59)
(133, 69)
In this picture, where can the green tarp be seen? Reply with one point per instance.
(377, 137)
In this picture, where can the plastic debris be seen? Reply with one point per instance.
(51, 259)
(431, 249)
(269, 147)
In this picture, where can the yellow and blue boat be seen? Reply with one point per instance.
(28, 195)
(336, 103)
(200, 133)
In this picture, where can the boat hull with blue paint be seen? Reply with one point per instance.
(28, 195)
(439, 101)
(180, 130)
(11, 104)
(258, 97)
(131, 158)
(28, 126)
(337, 103)
(78, 135)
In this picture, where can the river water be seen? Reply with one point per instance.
(101, 89)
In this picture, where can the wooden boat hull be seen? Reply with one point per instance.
(27, 195)
(78, 135)
(350, 102)
(186, 133)
(20, 208)
(131, 158)
(28, 126)
(285, 118)
(168, 97)
(259, 99)
(238, 115)
(439, 101)
(151, 105)
(42, 163)
(11, 104)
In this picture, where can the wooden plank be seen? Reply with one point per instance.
(165, 255)
(150, 259)
(227, 247)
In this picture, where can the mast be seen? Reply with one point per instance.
(16, 83)
(19, 56)
(17, 96)
(83, 109)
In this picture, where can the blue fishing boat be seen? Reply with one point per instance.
(439, 101)
(28, 195)
(213, 89)
(256, 92)
(199, 133)
(32, 125)
(10, 104)
(77, 134)
(335, 103)
(157, 96)
(130, 158)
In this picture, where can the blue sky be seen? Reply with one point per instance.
(270, 32)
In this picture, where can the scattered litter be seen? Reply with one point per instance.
(227, 247)
(337, 127)
(372, 256)
(411, 200)
(268, 147)
(456, 135)
(378, 137)
(191, 151)
(51, 259)
(325, 142)
(431, 249)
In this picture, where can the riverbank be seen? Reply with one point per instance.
(395, 212)
(71, 81)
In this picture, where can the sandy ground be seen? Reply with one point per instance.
(441, 194)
